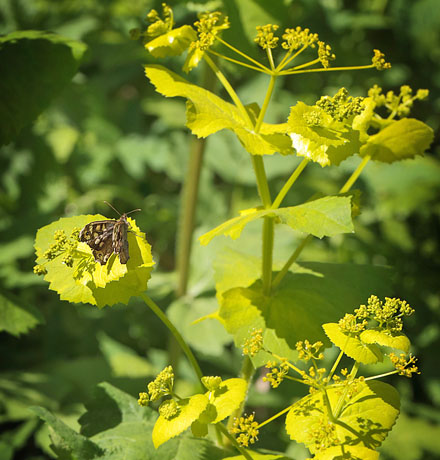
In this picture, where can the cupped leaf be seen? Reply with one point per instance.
(89, 282)
(189, 411)
(399, 341)
(318, 137)
(227, 398)
(208, 113)
(364, 420)
(34, 66)
(400, 140)
(327, 216)
(17, 318)
(353, 346)
(173, 43)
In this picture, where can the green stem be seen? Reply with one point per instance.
(341, 400)
(323, 69)
(266, 101)
(335, 365)
(161, 315)
(274, 417)
(286, 187)
(268, 236)
(233, 441)
(262, 66)
(356, 173)
(235, 61)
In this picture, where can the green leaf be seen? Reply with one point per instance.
(189, 410)
(227, 398)
(399, 341)
(257, 456)
(370, 414)
(173, 43)
(208, 114)
(327, 216)
(353, 346)
(90, 282)
(328, 142)
(67, 440)
(400, 140)
(34, 66)
(123, 361)
(17, 318)
(310, 296)
(208, 337)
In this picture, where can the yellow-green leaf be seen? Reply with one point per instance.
(173, 43)
(353, 346)
(227, 397)
(370, 414)
(189, 411)
(399, 341)
(348, 452)
(323, 217)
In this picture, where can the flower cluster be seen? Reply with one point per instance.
(341, 106)
(388, 316)
(247, 430)
(169, 409)
(277, 373)
(159, 26)
(405, 366)
(62, 245)
(379, 61)
(401, 103)
(208, 27)
(211, 383)
(324, 434)
(266, 37)
(325, 54)
(307, 351)
(297, 38)
(253, 345)
(162, 385)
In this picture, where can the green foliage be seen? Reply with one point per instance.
(109, 136)
(34, 66)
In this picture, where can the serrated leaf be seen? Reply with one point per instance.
(208, 113)
(303, 301)
(399, 341)
(34, 66)
(17, 319)
(400, 140)
(100, 284)
(227, 398)
(189, 410)
(327, 216)
(327, 143)
(370, 414)
(173, 43)
(353, 346)
(71, 441)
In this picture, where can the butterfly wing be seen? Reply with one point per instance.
(96, 233)
(120, 241)
(102, 254)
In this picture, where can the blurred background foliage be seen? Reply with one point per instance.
(108, 136)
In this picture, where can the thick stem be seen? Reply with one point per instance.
(268, 235)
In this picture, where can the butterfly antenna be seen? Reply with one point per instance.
(114, 209)
(134, 210)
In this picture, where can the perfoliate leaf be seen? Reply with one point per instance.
(208, 113)
(400, 140)
(17, 318)
(318, 137)
(349, 452)
(323, 217)
(370, 414)
(398, 341)
(352, 346)
(34, 66)
(227, 398)
(173, 43)
(257, 456)
(89, 282)
(189, 411)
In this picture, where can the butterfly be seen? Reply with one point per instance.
(106, 237)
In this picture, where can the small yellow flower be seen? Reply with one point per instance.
(266, 36)
(247, 430)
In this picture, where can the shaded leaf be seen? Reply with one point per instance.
(399, 341)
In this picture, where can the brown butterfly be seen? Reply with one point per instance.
(106, 237)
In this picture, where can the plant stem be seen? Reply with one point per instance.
(335, 365)
(345, 188)
(286, 187)
(262, 66)
(268, 236)
(341, 400)
(275, 416)
(233, 441)
(266, 101)
(161, 315)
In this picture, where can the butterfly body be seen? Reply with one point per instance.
(106, 237)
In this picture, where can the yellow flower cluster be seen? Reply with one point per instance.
(247, 430)
(405, 365)
(253, 345)
(266, 37)
(277, 374)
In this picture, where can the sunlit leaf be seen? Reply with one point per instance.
(173, 43)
